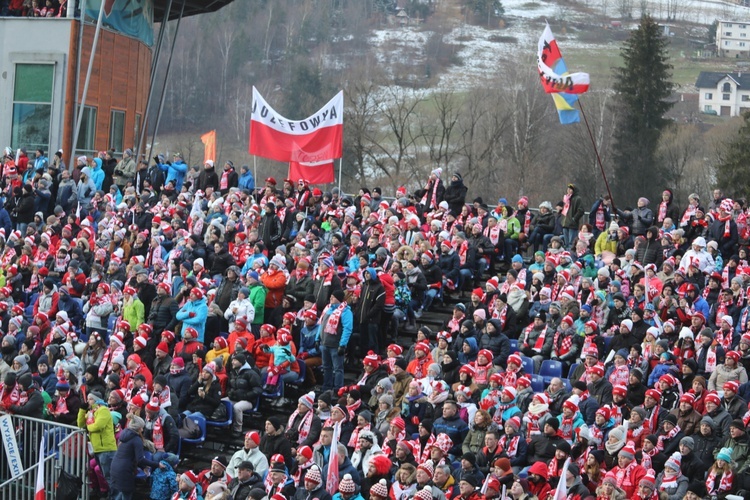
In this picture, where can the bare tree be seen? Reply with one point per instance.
(625, 8)
(360, 115)
(439, 130)
(395, 145)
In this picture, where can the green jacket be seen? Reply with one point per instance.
(575, 211)
(258, 300)
(134, 314)
(101, 431)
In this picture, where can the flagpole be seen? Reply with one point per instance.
(340, 170)
(598, 158)
(255, 171)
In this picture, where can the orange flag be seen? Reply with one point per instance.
(209, 142)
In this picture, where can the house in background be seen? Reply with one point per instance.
(733, 39)
(724, 94)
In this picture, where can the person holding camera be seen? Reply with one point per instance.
(125, 170)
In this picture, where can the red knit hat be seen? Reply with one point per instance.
(654, 393)
(620, 390)
(629, 450)
(398, 422)
(371, 359)
(731, 385)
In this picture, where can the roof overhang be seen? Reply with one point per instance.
(192, 8)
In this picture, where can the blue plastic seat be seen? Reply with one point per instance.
(572, 369)
(528, 364)
(513, 345)
(537, 383)
(567, 384)
(607, 342)
(297, 384)
(550, 369)
(201, 421)
(230, 412)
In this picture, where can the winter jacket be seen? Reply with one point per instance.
(169, 429)
(162, 315)
(269, 231)
(299, 289)
(175, 172)
(209, 402)
(455, 194)
(455, 428)
(371, 301)
(163, 482)
(346, 323)
(180, 384)
(498, 343)
(271, 445)
(450, 264)
(129, 455)
(101, 430)
(704, 448)
(575, 211)
(196, 320)
(723, 374)
(255, 456)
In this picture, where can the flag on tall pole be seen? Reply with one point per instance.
(555, 79)
(332, 479)
(209, 146)
(39, 491)
(562, 488)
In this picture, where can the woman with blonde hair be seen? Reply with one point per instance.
(608, 490)
(720, 480)
(405, 484)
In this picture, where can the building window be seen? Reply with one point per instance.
(32, 106)
(742, 44)
(746, 98)
(87, 135)
(726, 87)
(117, 131)
(728, 25)
(726, 97)
(709, 96)
(728, 33)
(743, 26)
(707, 107)
(726, 44)
(743, 35)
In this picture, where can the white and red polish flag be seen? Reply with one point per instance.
(317, 138)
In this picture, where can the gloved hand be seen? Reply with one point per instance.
(342, 350)
(342, 390)
(192, 314)
(85, 406)
(415, 420)
(303, 355)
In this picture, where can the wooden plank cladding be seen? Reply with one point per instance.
(119, 81)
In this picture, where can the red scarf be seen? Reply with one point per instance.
(727, 220)
(508, 445)
(493, 233)
(61, 407)
(669, 482)
(422, 453)
(725, 483)
(387, 447)
(623, 477)
(527, 222)
(600, 221)
(502, 316)
(354, 439)
(193, 495)
(463, 250)
(687, 214)
(157, 434)
(653, 419)
(332, 324)
(554, 469)
(563, 347)
(566, 204)
(664, 437)
(539, 341)
(566, 428)
(662, 211)
(327, 277)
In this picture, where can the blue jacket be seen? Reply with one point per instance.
(659, 370)
(175, 172)
(455, 428)
(5, 222)
(588, 408)
(41, 163)
(247, 181)
(163, 482)
(129, 454)
(97, 174)
(464, 358)
(307, 339)
(346, 324)
(200, 308)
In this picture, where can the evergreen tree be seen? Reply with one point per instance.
(643, 85)
(732, 174)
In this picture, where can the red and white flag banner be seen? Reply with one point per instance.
(315, 173)
(317, 138)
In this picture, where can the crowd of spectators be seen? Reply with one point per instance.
(136, 295)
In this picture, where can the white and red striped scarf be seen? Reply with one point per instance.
(157, 434)
(566, 429)
(597, 435)
(332, 324)
(508, 445)
(387, 447)
(501, 315)
(723, 338)
(662, 211)
(623, 476)
(653, 419)
(553, 469)
(192, 496)
(664, 437)
(354, 439)
(725, 483)
(527, 222)
(423, 452)
(305, 425)
(669, 481)
(687, 214)
(601, 221)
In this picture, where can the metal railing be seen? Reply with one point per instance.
(65, 449)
